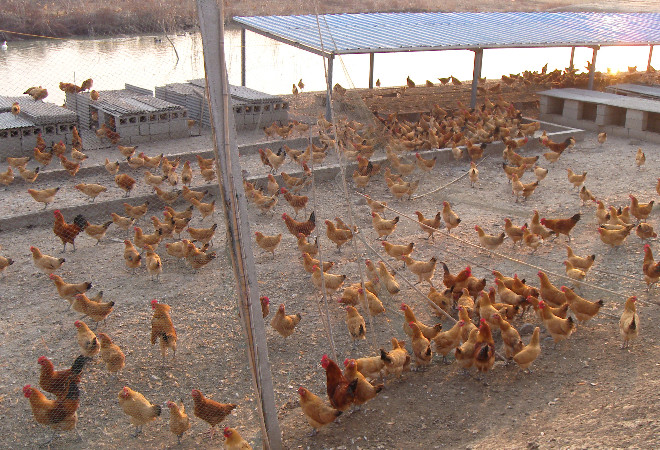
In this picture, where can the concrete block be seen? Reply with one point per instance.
(177, 126)
(635, 125)
(128, 131)
(180, 134)
(144, 129)
(139, 139)
(159, 128)
(160, 136)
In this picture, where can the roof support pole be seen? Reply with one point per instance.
(648, 65)
(570, 64)
(328, 103)
(592, 70)
(242, 56)
(234, 205)
(478, 57)
(371, 69)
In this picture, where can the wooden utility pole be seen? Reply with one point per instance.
(239, 245)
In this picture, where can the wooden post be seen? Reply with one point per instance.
(371, 70)
(570, 64)
(243, 81)
(234, 205)
(648, 64)
(328, 106)
(592, 70)
(478, 58)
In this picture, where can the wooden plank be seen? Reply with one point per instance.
(236, 216)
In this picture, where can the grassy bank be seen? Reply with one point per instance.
(64, 18)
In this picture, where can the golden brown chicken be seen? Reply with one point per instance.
(162, 328)
(339, 236)
(429, 225)
(558, 328)
(450, 218)
(489, 241)
(525, 357)
(45, 263)
(285, 324)
(268, 243)
(132, 257)
(396, 360)
(125, 182)
(179, 420)
(384, 227)
(641, 211)
(203, 235)
(317, 412)
(97, 311)
(209, 410)
(111, 354)
(447, 341)
(357, 327)
(87, 340)
(423, 270)
(44, 196)
(583, 309)
(629, 322)
(140, 410)
(97, 231)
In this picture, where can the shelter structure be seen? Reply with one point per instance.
(370, 33)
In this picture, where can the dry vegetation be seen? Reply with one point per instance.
(63, 18)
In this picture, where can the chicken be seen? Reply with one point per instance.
(295, 183)
(364, 391)
(528, 354)
(42, 157)
(640, 158)
(650, 268)
(371, 367)
(234, 441)
(443, 300)
(332, 282)
(464, 354)
(507, 295)
(274, 160)
(357, 327)
(97, 311)
(153, 262)
(641, 211)
(154, 180)
(209, 410)
(60, 414)
(309, 263)
(142, 240)
(125, 182)
(447, 341)
(559, 147)
(203, 235)
(384, 227)
(454, 281)
(58, 149)
(97, 231)
(44, 196)
(68, 290)
(307, 247)
(179, 420)
(339, 236)
(136, 212)
(140, 410)
(489, 241)
(372, 302)
(28, 175)
(162, 328)
(602, 137)
(575, 179)
(45, 263)
(375, 205)
(198, 258)
(37, 93)
(7, 178)
(398, 251)
(579, 262)
(77, 155)
(615, 237)
(558, 328)
(341, 391)
(296, 227)
(583, 309)
(132, 257)
(484, 348)
(515, 233)
(421, 347)
(429, 332)
(423, 270)
(388, 279)
(426, 165)
(574, 273)
(450, 218)
(284, 324)
(645, 231)
(15, 108)
(189, 194)
(168, 197)
(111, 354)
(57, 382)
(316, 411)
(71, 167)
(429, 225)
(510, 337)
(629, 322)
(536, 227)
(87, 340)
(561, 226)
(268, 243)
(540, 173)
(396, 360)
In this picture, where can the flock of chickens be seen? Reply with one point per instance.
(60, 413)
(475, 308)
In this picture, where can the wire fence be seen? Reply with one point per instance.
(131, 182)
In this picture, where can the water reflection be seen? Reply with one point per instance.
(271, 67)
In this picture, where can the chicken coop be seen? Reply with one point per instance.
(18, 133)
(252, 109)
(132, 112)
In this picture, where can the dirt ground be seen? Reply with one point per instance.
(609, 393)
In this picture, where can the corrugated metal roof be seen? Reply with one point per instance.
(9, 121)
(393, 32)
(39, 112)
(241, 93)
(123, 102)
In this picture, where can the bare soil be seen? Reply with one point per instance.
(585, 393)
